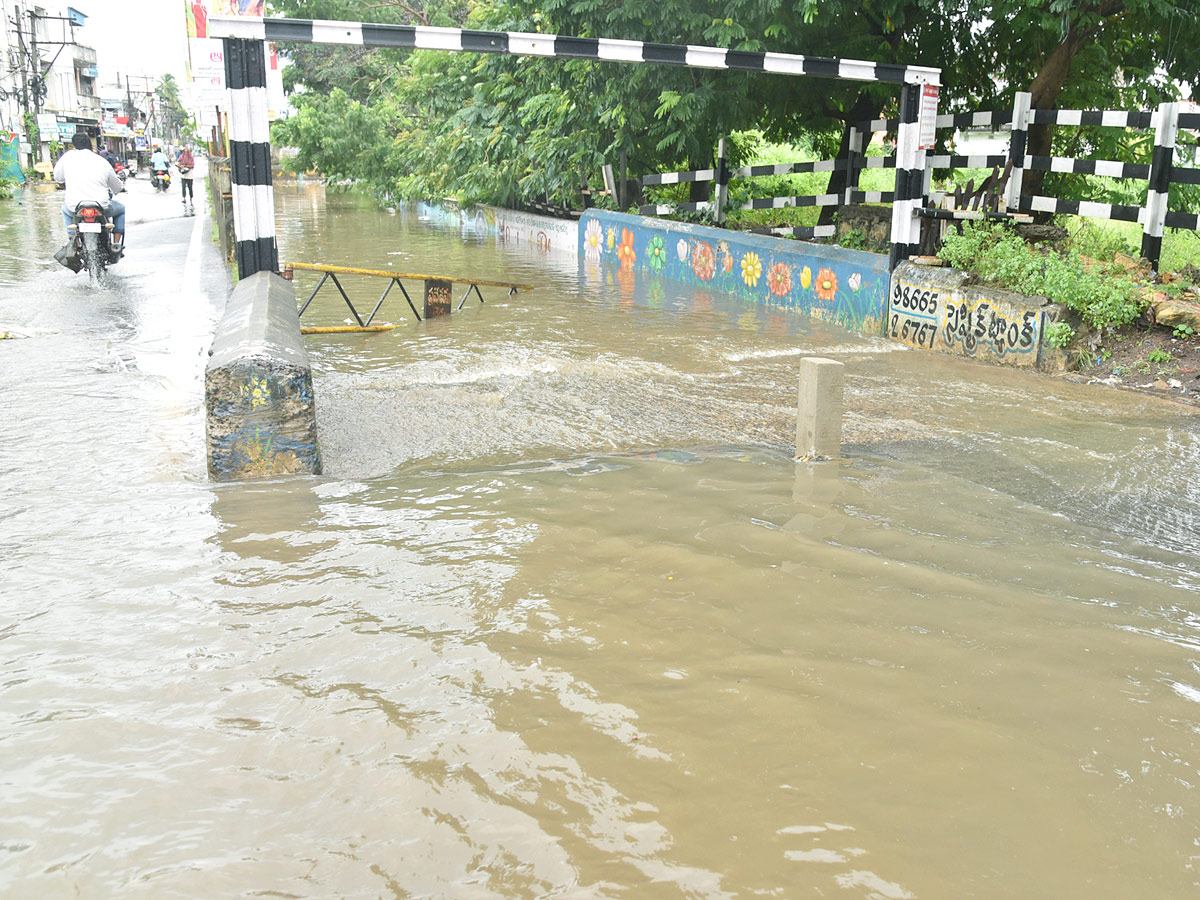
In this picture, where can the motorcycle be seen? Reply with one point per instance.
(122, 171)
(161, 180)
(90, 245)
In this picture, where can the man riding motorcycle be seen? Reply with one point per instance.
(89, 179)
(159, 162)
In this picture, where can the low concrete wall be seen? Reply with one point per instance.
(935, 308)
(261, 414)
(846, 287)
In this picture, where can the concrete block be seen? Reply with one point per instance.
(819, 408)
(261, 417)
(939, 309)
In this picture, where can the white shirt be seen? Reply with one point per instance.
(87, 177)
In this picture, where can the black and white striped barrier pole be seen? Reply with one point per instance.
(1016, 149)
(910, 179)
(854, 152)
(1166, 127)
(250, 157)
(720, 188)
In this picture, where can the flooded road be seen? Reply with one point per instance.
(563, 618)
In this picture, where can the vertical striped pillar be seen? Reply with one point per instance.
(854, 153)
(1166, 127)
(910, 179)
(720, 188)
(250, 156)
(1016, 149)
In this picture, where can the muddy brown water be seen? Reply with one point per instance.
(564, 618)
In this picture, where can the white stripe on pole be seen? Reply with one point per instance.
(239, 114)
(1110, 169)
(259, 131)
(1069, 116)
(1114, 118)
(264, 205)
(523, 43)
(327, 31)
(620, 51)
(856, 69)
(250, 27)
(706, 57)
(783, 63)
(245, 219)
(431, 38)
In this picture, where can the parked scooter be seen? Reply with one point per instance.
(90, 243)
(161, 179)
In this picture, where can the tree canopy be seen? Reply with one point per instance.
(501, 128)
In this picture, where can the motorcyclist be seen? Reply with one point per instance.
(159, 162)
(89, 179)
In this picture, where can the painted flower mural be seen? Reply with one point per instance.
(704, 264)
(625, 249)
(593, 238)
(656, 253)
(779, 279)
(751, 269)
(827, 285)
(612, 239)
(682, 250)
(725, 256)
(806, 278)
(855, 281)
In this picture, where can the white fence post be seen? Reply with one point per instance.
(1016, 149)
(910, 179)
(853, 153)
(1166, 127)
(720, 184)
(250, 156)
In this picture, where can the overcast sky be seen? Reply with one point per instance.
(135, 37)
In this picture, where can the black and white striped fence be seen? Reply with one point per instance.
(249, 127)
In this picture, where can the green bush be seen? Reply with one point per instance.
(997, 255)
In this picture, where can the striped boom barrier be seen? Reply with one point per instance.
(667, 209)
(516, 43)
(1104, 167)
(966, 162)
(1106, 118)
(821, 165)
(803, 232)
(678, 177)
(1088, 208)
(793, 202)
(250, 157)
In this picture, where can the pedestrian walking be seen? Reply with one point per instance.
(185, 164)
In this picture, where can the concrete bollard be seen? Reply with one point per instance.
(819, 410)
(261, 417)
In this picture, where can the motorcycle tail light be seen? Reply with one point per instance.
(89, 213)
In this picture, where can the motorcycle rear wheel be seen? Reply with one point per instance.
(91, 256)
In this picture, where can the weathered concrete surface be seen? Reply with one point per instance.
(933, 308)
(819, 408)
(261, 414)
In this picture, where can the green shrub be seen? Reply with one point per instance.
(1059, 334)
(997, 255)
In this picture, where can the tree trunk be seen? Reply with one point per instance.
(864, 108)
(1049, 82)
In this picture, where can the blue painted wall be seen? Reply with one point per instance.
(846, 287)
